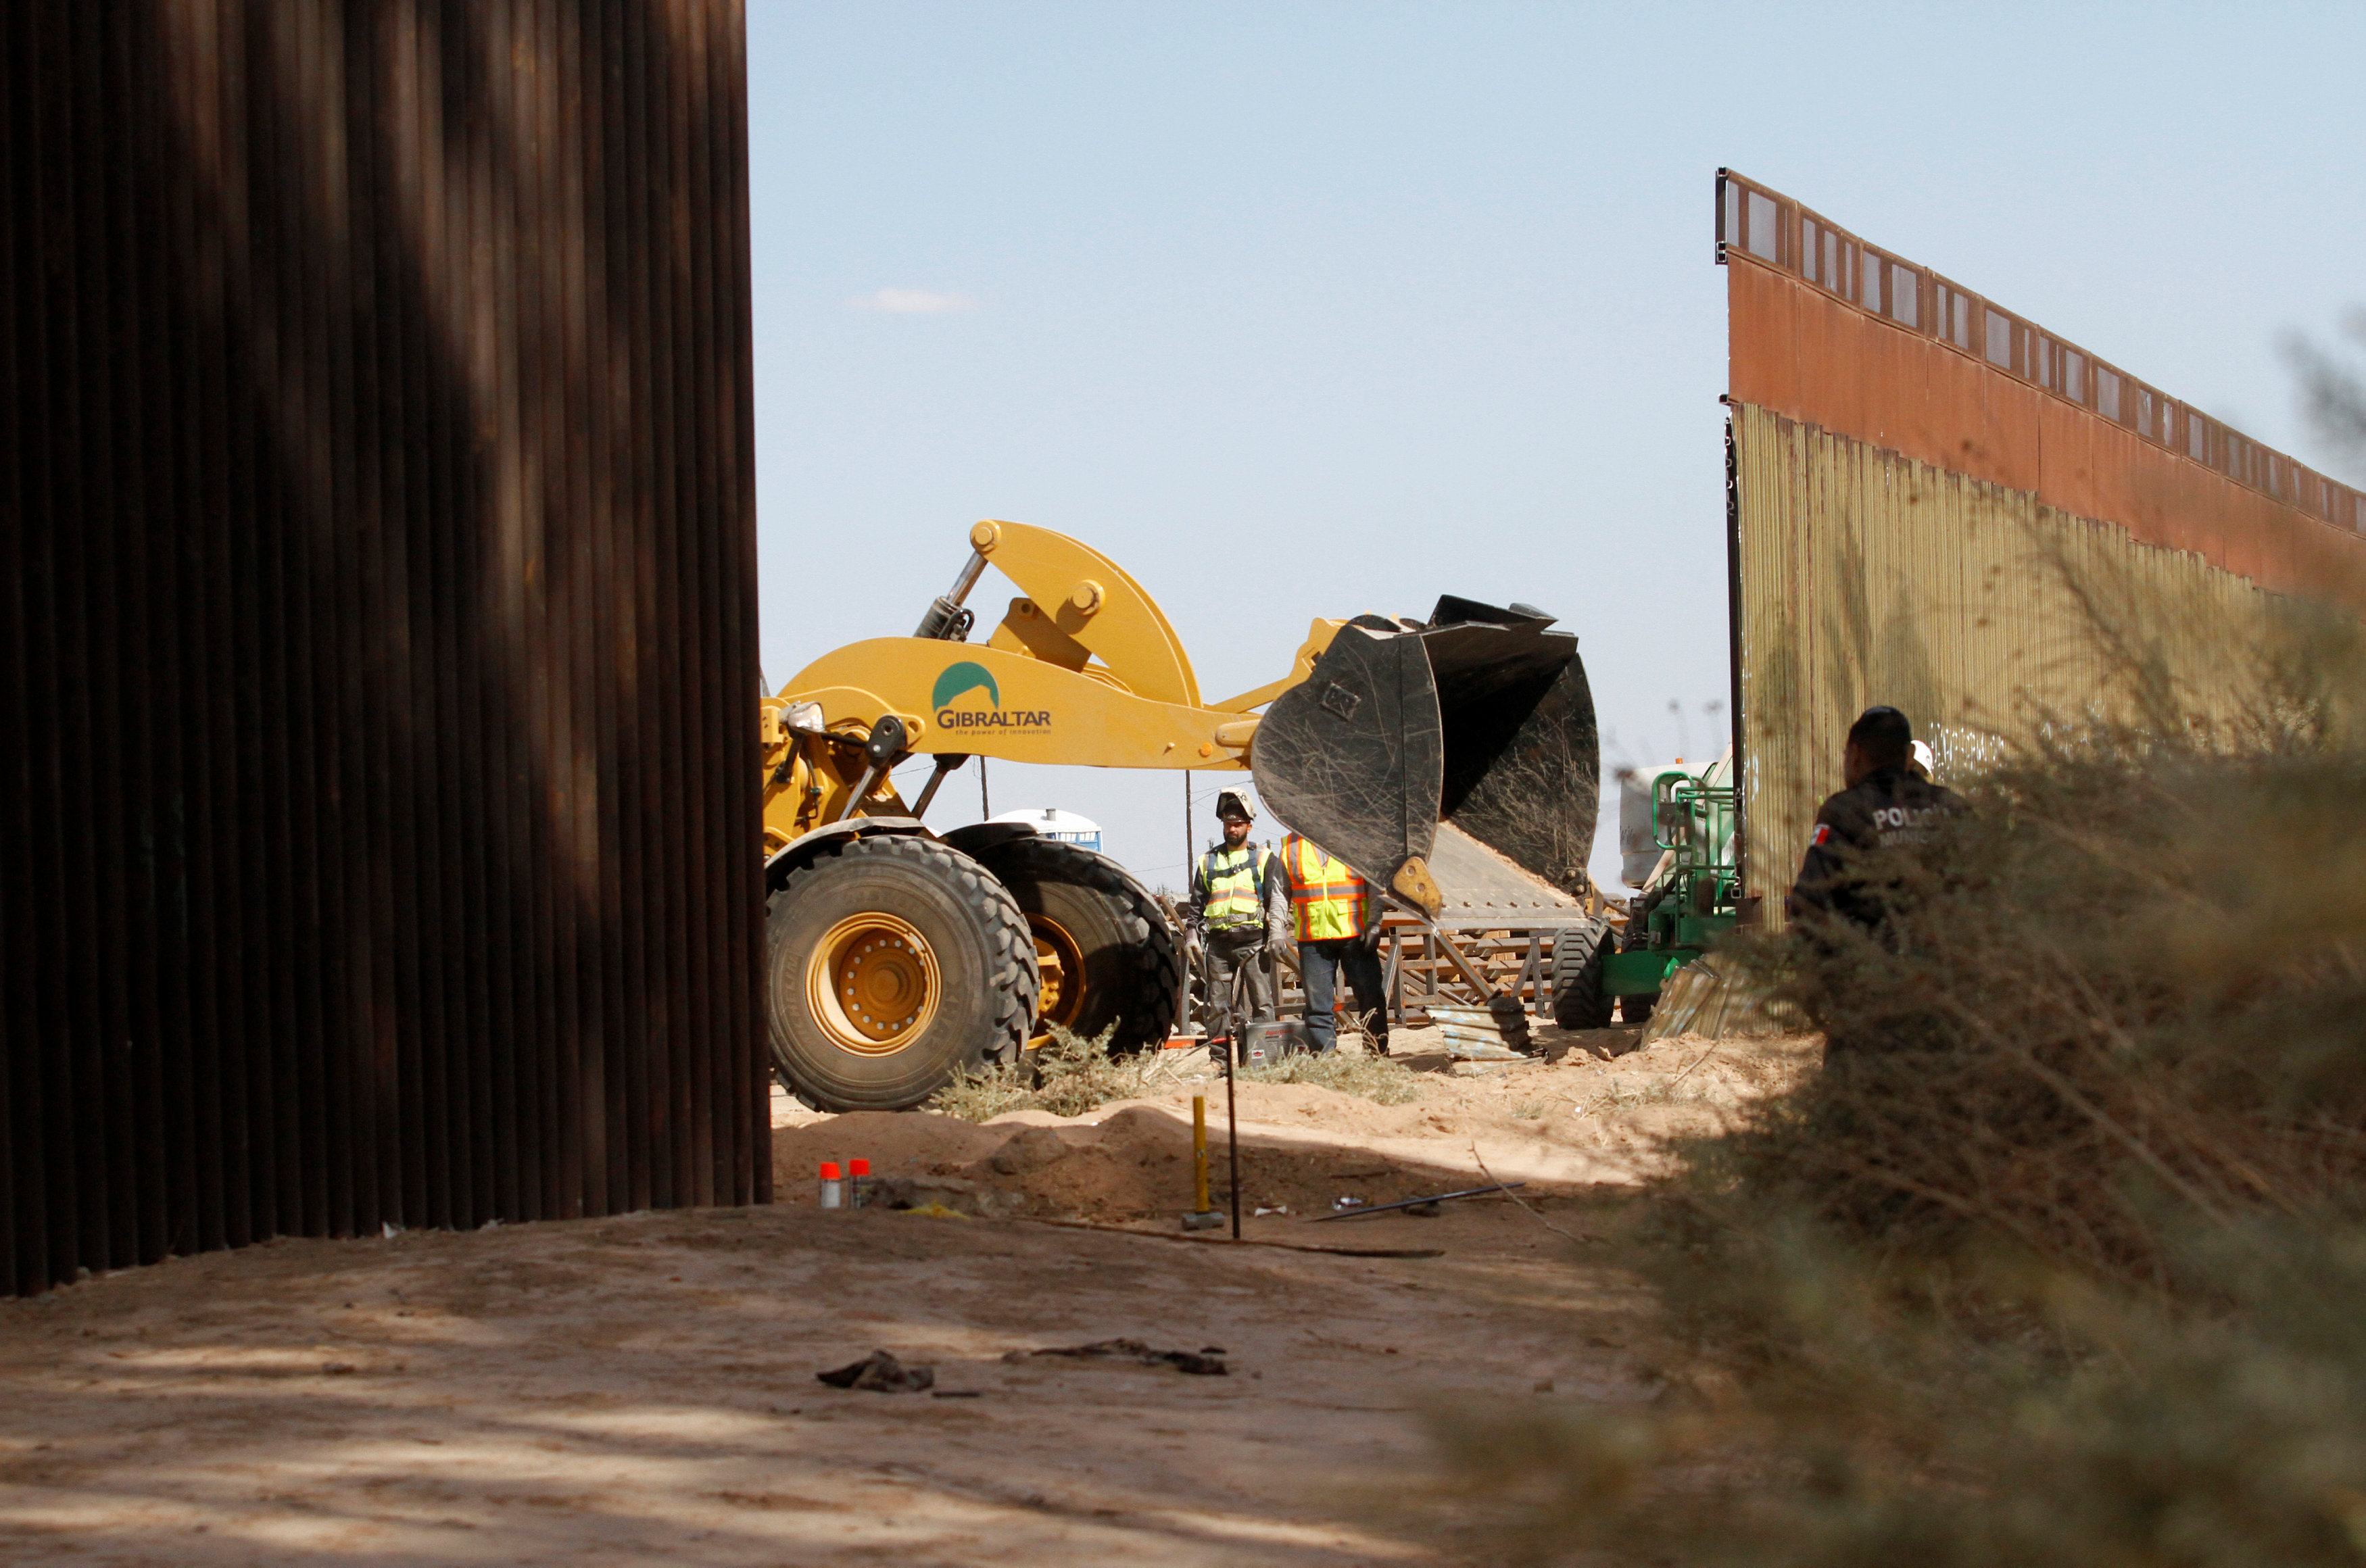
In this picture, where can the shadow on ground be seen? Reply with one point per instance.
(641, 1388)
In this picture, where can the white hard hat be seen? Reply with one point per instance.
(1923, 758)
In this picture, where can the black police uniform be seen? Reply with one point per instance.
(1888, 808)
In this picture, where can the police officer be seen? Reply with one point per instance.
(1338, 921)
(1887, 805)
(1235, 898)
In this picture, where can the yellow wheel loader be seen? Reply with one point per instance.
(898, 954)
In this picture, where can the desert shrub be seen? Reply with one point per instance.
(2017, 1419)
(1372, 1078)
(2127, 1001)
(1353, 1067)
(2062, 1259)
(1067, 1076)
(983, 1093)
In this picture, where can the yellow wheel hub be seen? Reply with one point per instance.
(873, 984)
(1062, 963)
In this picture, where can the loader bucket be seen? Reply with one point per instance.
(1482, 718)
(1353, 757)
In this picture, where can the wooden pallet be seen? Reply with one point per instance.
(1418, 972)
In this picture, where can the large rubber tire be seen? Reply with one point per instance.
(1093, 919)
(1636, 1011)
(1578, 954)
(977, 1005)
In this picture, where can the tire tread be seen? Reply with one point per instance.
(1158, 983)
(1013, 980)
(1578, 954)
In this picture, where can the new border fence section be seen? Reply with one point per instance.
(1936, 502)
(376, 622)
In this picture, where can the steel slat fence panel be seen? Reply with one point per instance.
(1758, 228)
(380, 623)
(1844, 545)
(1914, 507)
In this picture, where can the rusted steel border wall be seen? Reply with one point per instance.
(1831, 329)
(376, 622)
(1867, 576)
(1938, 504)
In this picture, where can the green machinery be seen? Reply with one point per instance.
(1675, 842)
(1689, 898)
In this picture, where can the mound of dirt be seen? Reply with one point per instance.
(1595, 1109)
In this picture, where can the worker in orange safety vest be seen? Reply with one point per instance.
(1336, 919)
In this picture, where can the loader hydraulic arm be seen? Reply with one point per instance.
(1082, 611)
(1379, 728)
(946, 620)
(1083, 668)
(895, 956)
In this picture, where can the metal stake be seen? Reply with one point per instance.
(1416, 1203)
(1193, 948)
(1232, 1127)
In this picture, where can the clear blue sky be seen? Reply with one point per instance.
(1312, 309)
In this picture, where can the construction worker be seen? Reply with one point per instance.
(1887, 805)
(1235, 902)
(1337, 923)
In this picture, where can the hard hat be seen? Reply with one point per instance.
(1921, 758)
(1232, 804)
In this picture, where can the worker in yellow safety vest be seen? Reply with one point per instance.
(1336, 917)
(1236, 903)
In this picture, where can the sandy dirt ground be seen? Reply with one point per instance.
(641, 1388)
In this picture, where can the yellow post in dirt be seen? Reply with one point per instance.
(1201, 1217)
(1198, 1154)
